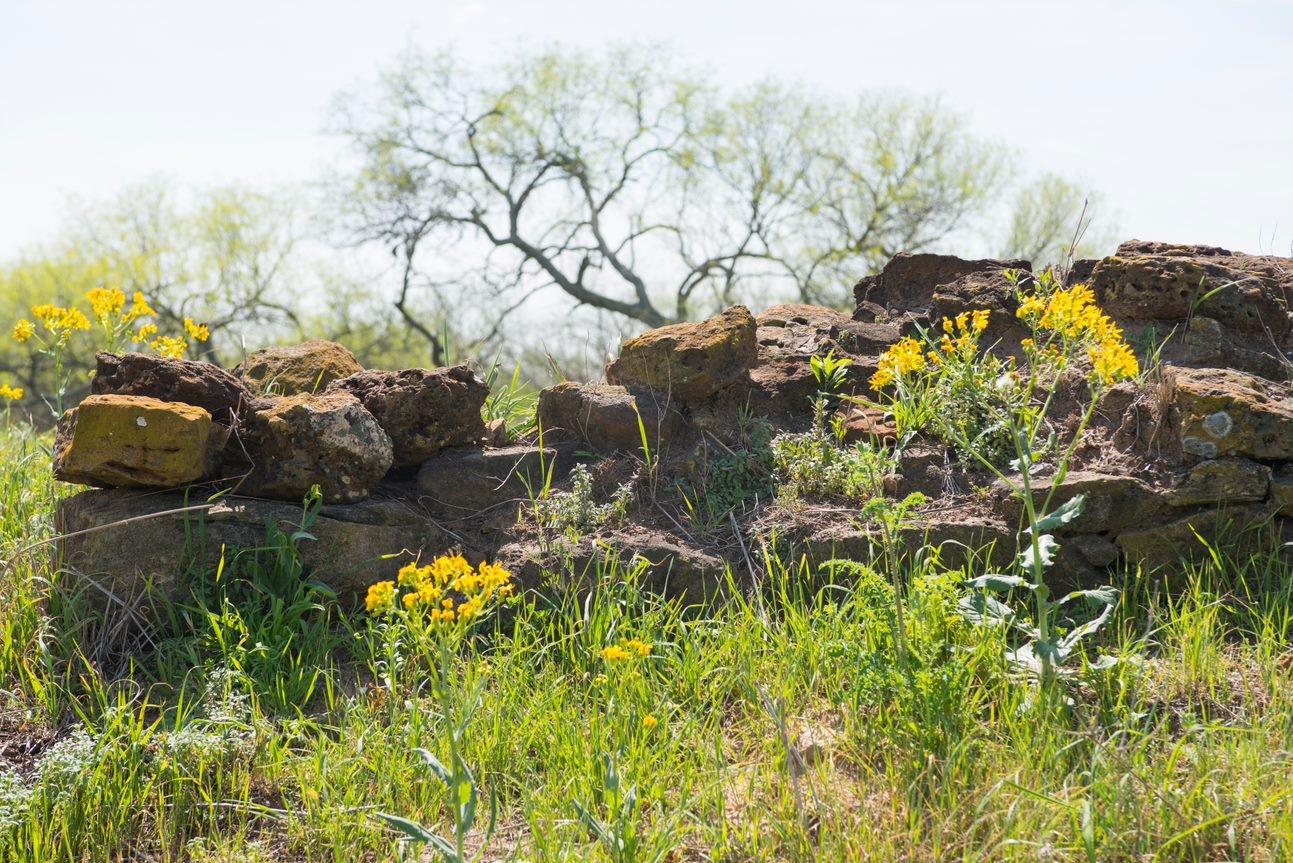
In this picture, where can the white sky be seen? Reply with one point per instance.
(1179, 113)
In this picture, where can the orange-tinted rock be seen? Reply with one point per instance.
(135, 441)
(305, 368)
(689, 362)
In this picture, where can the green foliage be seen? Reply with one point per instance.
(814, 463)
(774, 724)
(728, 478)
(577, 512)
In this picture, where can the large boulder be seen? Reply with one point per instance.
(605, 417)
(689, 362)
(1223, 412)
(292, 443)
(138, 544)
(203, 385)
(305, 368)
(908, 282)
(422, 410)
(136, 442)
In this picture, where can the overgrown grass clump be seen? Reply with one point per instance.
(266, 724)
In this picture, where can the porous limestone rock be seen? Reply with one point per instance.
(189, 382)
(689, 362)
(291, 443)
(305, 368)
(135, 441)
(1146, 281)
(782, 382)
(909, 281)
(422, 410)
(136, 551)
(1112, 501)
(1224, 412)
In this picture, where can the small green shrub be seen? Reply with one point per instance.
(577, 512)
(814, 463)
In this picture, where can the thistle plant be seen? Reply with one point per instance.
(1069, 332)
(438, 605)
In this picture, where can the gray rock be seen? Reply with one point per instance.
(292, 443)
(131, 551)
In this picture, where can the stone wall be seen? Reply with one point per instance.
(406, 464)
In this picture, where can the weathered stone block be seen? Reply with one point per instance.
(305, 368)
(689, 362)
(422, 410)
(134, 441)
(292, 443)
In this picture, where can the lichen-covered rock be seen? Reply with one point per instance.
(135, 441)
(689, 362)
(1223, 412)
(604, 416)
(908, 282)
(1165, 546)
(468, 482)
(1112, 501)
(1163, 282)
(305, 368)
(422, 410)
(138, 551)
(788, 336)
(204, 385)
(291, 443)
(1223, 480)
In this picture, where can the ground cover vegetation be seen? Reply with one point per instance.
(889, 707)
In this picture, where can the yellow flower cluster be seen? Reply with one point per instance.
(13, 394)
(58, 320)
(447, 590)
(1072, 315)
(961, 336)
(903, 358)
(169, 346)
(626, 649)
(106, 303)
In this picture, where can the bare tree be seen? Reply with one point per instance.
(637, 189)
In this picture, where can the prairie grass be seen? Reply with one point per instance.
(773, 726)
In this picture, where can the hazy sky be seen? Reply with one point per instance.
(1180, 113)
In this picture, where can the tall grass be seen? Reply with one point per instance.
(780, 724)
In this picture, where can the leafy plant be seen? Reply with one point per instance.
(1068, 331)
(577, 511)
(439, 605)
(815, 463)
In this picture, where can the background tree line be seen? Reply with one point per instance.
(558, 194)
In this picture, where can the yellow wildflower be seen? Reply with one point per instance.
(381, 597)
(641, 648)
(23, 330)
(649, 722)
(197, 332)
(11, 393)
(1113, 360)
(903, 358)
(615, 653)
(139, 308)
(146, 332)
(170, 346)
(106, 303)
